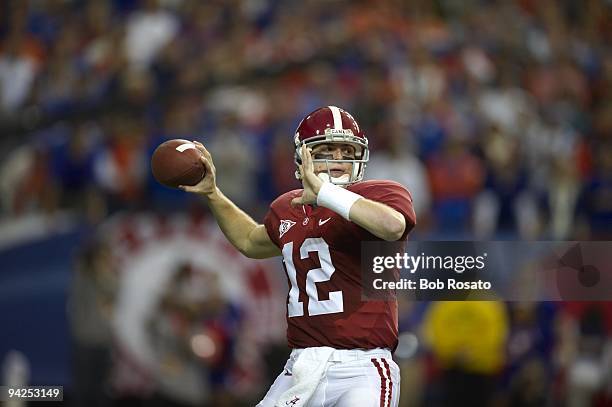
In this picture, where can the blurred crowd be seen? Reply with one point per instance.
(486, 353)
(497, 115)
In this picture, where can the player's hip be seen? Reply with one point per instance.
(351, 377)
(349, 355)
(352, 361)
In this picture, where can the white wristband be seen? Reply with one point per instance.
(337, 199)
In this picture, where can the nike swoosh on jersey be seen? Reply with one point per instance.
(323, 222)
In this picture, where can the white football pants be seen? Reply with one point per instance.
(354, 378)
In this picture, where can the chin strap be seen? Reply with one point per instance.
(344, 179)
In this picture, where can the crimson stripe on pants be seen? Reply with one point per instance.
(388, 370)
(383, 382)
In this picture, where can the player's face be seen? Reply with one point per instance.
(333, 151)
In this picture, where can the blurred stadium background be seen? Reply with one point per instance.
(496, 114)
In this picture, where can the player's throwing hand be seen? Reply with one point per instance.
(311, 183)
(208, 184)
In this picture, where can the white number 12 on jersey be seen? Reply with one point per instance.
(295, 308)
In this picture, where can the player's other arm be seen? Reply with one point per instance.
(246, 235)
(379, 219)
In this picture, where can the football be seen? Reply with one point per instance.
(177, 162)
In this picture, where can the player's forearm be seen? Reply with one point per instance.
(235, 224)
(379, 219)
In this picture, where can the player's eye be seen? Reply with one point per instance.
(323, 156)
(348, 152)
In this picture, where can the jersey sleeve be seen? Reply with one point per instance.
(279, 209)
(394, 195)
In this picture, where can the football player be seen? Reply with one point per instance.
(341, 344)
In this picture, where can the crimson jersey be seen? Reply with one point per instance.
(321, 255)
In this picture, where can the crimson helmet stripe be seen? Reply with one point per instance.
(337, 117)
